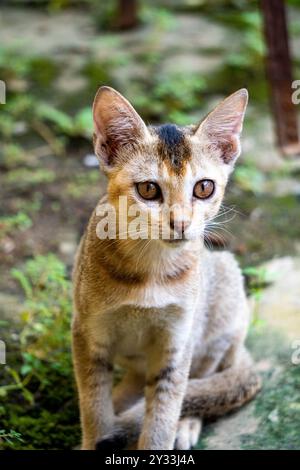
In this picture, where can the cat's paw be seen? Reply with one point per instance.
(188, 433)
(112, 441)
(124, 435)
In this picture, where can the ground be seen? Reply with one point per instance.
(173, 68)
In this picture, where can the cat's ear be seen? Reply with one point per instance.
(116, 125)
(223, 126)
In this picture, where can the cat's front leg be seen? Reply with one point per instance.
(93, 371)
(166, 384)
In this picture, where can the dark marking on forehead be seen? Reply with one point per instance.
(173, 147)
(170, 135)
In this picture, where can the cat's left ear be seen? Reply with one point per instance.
(222, 128)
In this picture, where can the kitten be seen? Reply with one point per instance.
(173, 314)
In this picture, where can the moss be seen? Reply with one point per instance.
(278, 405)
(52, 420)
(278, 409)
(207, 432)
(37, 392)
(52, 423)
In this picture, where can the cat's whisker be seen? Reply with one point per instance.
(228, 232)
(140, 254)
(232, 209)
(216, 236)
(222, 229)
(224, 217)
(226, 220)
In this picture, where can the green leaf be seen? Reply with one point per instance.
(62, 120)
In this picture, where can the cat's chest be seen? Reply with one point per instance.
(150, 295)
(137, 328)
(140, 316)
(155, 295)
(143, 311)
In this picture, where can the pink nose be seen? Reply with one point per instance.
(179, 226)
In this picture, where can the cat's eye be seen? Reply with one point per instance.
(204, 189)
(149, 190)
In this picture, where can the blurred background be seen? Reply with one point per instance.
(174, 60)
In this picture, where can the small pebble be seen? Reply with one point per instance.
(91, 160)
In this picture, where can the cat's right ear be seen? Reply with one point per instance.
(116, 125)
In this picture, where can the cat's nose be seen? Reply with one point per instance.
(179, 226)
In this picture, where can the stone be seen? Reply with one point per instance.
(280, 302)
(227, 431)
(10, 307)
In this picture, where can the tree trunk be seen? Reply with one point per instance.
(127, 14)
(279, 75)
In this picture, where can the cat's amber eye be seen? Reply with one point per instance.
(149, 190)
(204, 189)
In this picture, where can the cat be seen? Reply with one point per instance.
(170, 312)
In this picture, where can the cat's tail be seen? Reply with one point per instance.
(222, 392)
(212, 396)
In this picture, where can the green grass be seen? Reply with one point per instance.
(37, 394)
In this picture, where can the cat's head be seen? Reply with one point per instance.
(176, 176)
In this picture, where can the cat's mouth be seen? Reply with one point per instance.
(175, 241)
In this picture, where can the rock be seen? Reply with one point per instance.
(91, 161)
(280, 303)
(228, 431)
(10, 307)
(283, 186)
(273, 416)
(67, 246)
(279, 307)
(191, 63)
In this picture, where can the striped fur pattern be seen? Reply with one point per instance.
(172, 314)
